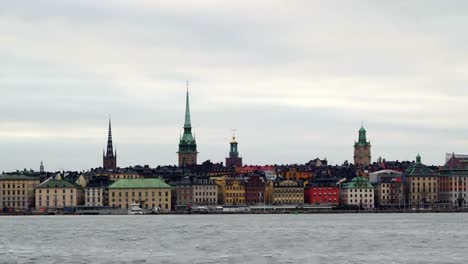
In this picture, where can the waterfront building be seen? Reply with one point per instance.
(358, 192)
(187, 145)
(234, 191)
(54, 194)
(149, 193)
(453, 181)
(389, 191)
(17, 191)
(422, 185)
(286, 192)
(95, 193)
(255, 189)
(234, 160)
(323, 191)
(182, 194)
(205, 191)
(362, 149)
(109, 158)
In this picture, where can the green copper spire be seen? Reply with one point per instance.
(418, 158)
(362, 135)
(187, 123)
(187, 142)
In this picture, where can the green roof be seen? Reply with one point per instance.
(139, 184)
(358, 183)
(420, 170)
(52, 183)
(6, 177)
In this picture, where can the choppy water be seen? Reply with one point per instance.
(353, 238)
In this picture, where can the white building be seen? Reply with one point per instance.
(96, 192)
(358, 192)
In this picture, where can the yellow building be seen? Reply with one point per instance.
(58, 194)
(17, 191)
(285, 192)
(234, 191)
(220, 182)
(149, 193)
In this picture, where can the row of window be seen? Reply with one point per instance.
(18, 185)
(13, 192)
(205, 193)
(166, 193)
(55, 190)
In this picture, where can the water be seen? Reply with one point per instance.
(351, 238)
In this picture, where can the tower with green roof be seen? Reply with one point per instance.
(187, 145)
(362, 149)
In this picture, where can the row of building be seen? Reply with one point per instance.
(388, 185)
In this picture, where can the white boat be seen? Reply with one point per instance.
(135, 209)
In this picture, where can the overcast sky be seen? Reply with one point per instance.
(295, 78)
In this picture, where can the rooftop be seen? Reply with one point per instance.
(51, 183)
(139, 184)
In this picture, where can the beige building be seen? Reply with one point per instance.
(285, 192)
(149, 193)
(17, 191)
(422, 185)
(205, 191)
(58, 194)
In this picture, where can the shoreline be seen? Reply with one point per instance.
(404, 211)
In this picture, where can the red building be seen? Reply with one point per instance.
(255, 189)
(322, 192)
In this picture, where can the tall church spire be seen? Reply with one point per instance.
(110, 149)
(187, 143)
(110, 158)
(187, 123)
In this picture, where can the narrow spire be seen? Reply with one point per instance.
(110, 151)
(234, 135)
(187, 123)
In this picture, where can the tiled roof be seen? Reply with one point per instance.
(57, 184)
(139, 184)
(420, 170)
(6, 177)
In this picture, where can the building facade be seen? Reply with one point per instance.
(234, 160)
(358, 192)
(389, 192)
(234, 191)
(287, 192)
(322, 191)
(205, 191)
(422, 185)
(109, 158)
(17, 192)
(58, 194)
(453, 181)
(183, 193)
(255, 189)
(149, 193)
(362, 149)
(95, 193)
(187, 145)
